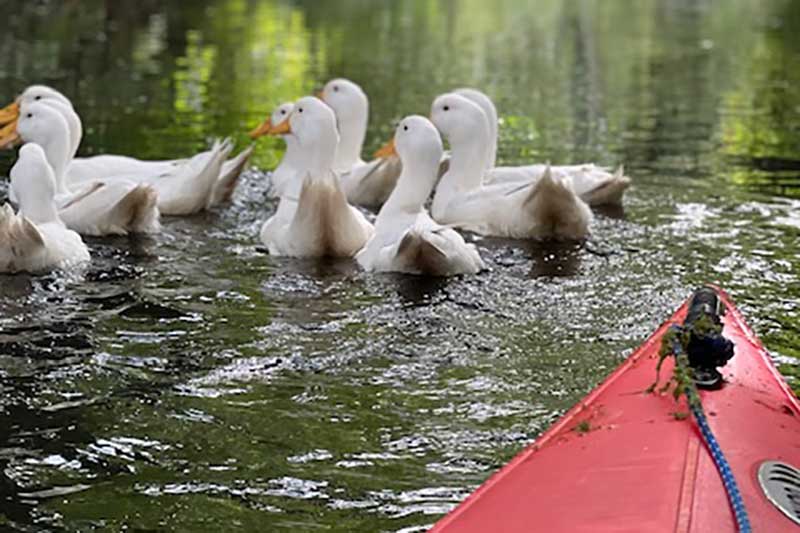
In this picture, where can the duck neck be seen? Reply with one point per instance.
(468, 159)
(491, 160)
(322, 154)
(39, 210)
(291, 157)
(73, 122)
(413, 187)
(57, 149)
(75, 132)
(352, 130)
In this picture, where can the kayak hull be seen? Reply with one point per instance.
(623, 460)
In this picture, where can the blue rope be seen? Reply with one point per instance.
(711, 442)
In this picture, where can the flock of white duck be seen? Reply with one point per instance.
(319, 182)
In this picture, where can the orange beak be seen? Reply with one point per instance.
(281, 129)
(9, 113)
(262, 129)
(267, 128)
(387, 150)
(320, 93)
(9, 135)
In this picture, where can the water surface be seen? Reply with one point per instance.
(190, 382)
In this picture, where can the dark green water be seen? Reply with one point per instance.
(192, 383)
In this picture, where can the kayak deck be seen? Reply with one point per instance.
(623, 460)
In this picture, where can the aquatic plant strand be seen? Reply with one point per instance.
(677, 340)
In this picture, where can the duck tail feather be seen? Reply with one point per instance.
(210, 175)
(555, 208)
(610, 191)
(229, 176)
(137, 211)
(419, 252)
(18, 234)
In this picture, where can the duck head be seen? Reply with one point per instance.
(41, 123)
(10, 114)
(346, 98)
(351, 106)
(419, 146)
(417, 142)
(313, 125)
(459, 119)
(36, 93)
(293, 157)
(278, 116)
(50, 96)
(465, 126)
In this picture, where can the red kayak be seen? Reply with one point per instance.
(623, 460)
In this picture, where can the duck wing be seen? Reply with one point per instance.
(111, 208)
(178, 174)
(21, 243)
(555, 210)
(594, 184)
(370, 184)
(443, 251)
(83, 169)
(425, 248)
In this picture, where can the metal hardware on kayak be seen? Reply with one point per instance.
(781, 485)
(699, 344)
(706, 348)
(714, 448)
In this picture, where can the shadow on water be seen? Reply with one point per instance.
(322, 268)
(546, 259)
(616, 212)
(553, 259)
(418, 290)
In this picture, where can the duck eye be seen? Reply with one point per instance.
(300, 110)
(405, 128)
(38, 97)
(29, 115)
(336, 88)
(446, 108)
(283, 111)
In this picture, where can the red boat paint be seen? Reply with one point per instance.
(638, 468)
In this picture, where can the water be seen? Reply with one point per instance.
(190, 382)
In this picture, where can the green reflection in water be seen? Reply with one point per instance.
(759, 125)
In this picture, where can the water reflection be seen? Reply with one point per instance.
(190, 381)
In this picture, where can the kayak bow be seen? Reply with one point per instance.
(625, 460)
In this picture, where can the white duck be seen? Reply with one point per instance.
(406, 238)
(292, 160)
(35, 239)
(111, 207)
(593, 184)
(319, 222)
(365, 183)
(546, 208)
(194, 184)
(185, 190)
